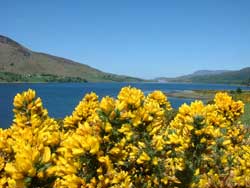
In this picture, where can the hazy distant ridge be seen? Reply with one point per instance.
(241, 76)
(208, 72)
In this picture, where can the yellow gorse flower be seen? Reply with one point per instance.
(126, 142)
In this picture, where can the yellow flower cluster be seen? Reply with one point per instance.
(126, 142)
(210, 141)
(27, 147)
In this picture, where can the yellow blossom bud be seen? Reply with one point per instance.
(108, 127)
(226, 142)
(143, 157)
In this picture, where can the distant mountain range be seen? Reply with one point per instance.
(207, 72)
(20, 64)
(241, 76)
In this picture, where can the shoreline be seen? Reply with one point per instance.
(202, 94)
(193, 94)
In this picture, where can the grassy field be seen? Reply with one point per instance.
(36, 78)
(245, 118)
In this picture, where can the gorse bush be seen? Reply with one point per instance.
(131, 141)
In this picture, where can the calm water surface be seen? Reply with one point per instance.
(61, 98)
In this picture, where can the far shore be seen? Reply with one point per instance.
(192, 94)
(206, 94)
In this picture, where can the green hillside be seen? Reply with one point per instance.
(232, 77)
(17, 63)
(224, 77)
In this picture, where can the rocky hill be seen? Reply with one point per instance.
(18, 64)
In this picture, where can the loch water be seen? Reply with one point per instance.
(61, 98)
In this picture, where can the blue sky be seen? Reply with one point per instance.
(143, 38)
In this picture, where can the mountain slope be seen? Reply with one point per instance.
(241, 76)
(208, 72)
(201, 73)
(17, 59)
(221, 77)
